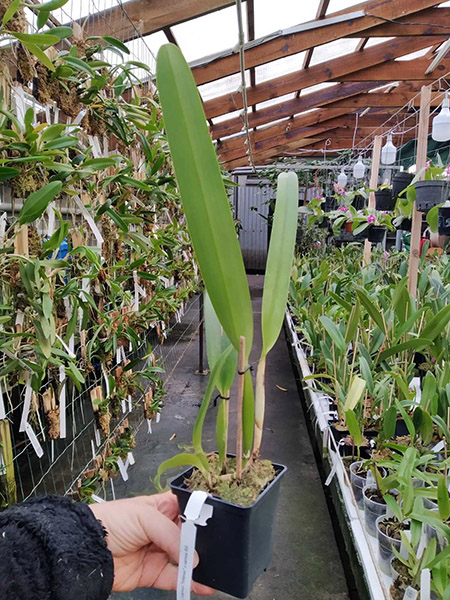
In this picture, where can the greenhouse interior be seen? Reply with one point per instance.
(225, 299)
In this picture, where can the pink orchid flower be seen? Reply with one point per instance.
(371, 219)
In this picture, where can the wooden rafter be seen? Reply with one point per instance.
(320, 73)
(321, 12)
(147, 16)
(409, 70)
(287, 45)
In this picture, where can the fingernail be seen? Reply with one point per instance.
(196, 559)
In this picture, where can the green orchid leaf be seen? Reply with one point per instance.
(181, 460)
(205, 201)
(279, 259)
(37, 202)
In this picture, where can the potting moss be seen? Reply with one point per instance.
(227, 487)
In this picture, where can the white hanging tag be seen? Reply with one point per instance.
(438, 447)
(124, 357)
(331, 474)
(26, 407)
(149, 426)
(2, 405)
(34, 441)
(124, 406)
(410, 593)
(105, 376)
(97, 499)
(118, 356)
(113, 491)
(136, 292)
(164, 280)
(52, 451)
(95, 230)
(62, 403)
(94, 454)
(425, 585)
(20, 317)
(98, 439)
(51, 218)
(131, 458)
(195, 513)
(158, 417)
(416, 387)
(122, 469)
(3, 224)
(130, 404)
(66, 347)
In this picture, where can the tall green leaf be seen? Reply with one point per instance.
(205, 202)
(414, 344)
(437, 324)
(333, 331)
(180, 460)
(279, 259)
(37, 202)
(371, 309)
(353, 427)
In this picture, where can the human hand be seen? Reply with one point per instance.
(144, 539)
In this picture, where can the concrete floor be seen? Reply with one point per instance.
(306, 563)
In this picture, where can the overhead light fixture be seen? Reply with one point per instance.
(388, 151)
(342, 178)
(359, 169)
(441, 123)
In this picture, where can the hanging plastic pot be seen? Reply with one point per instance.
(236, 545)
(430, 193)
(384, 200)
(329, 204)
(376, 234)
(401, 182)
(444, 220)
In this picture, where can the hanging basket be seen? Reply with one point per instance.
(400, 182)
(376, 234)
(444, 220)
(430, 193)
(384, 200)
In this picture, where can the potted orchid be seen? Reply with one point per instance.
(434, 188)
(375, 222)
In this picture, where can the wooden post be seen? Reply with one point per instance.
(373, 184)
(240, 402)
(421, 160)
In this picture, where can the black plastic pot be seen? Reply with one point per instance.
(405, 225)
(384, 200)
(325, 223)
(444, 220)
(358, 202)
(329, 204)
(235, 547)
(430, 193)
(376, 234)
(400, 182)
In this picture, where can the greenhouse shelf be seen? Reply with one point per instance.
(376, 582)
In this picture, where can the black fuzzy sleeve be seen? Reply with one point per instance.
(53, 549)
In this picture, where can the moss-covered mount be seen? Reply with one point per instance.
(226, 485)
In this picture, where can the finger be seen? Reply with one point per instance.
(167, 580)
(158, 529)
(167, 503)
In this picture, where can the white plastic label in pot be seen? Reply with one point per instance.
(196, 513)
(410, 594)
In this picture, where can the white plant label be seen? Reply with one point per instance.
(370, 480)
(122, 469)
(416, 387)
(118, 356)
(130, 404)
(113, 491)
(425, 585)
(2, 405)
(438, 447)
(410, 594)
(105, 376)
(149, 426)
(196, 514)
(34, 441)
(95, 230)
(26, 408)
(97, 499)
(94, 454)
(62, 403)
(131, 459)
(158, 417)
(98, 439)
(124, 406)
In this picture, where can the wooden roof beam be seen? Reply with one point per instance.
(289, 44)
(291, 107)
(321, 12)
(408, 70)
(147, 16)
(320, 73)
